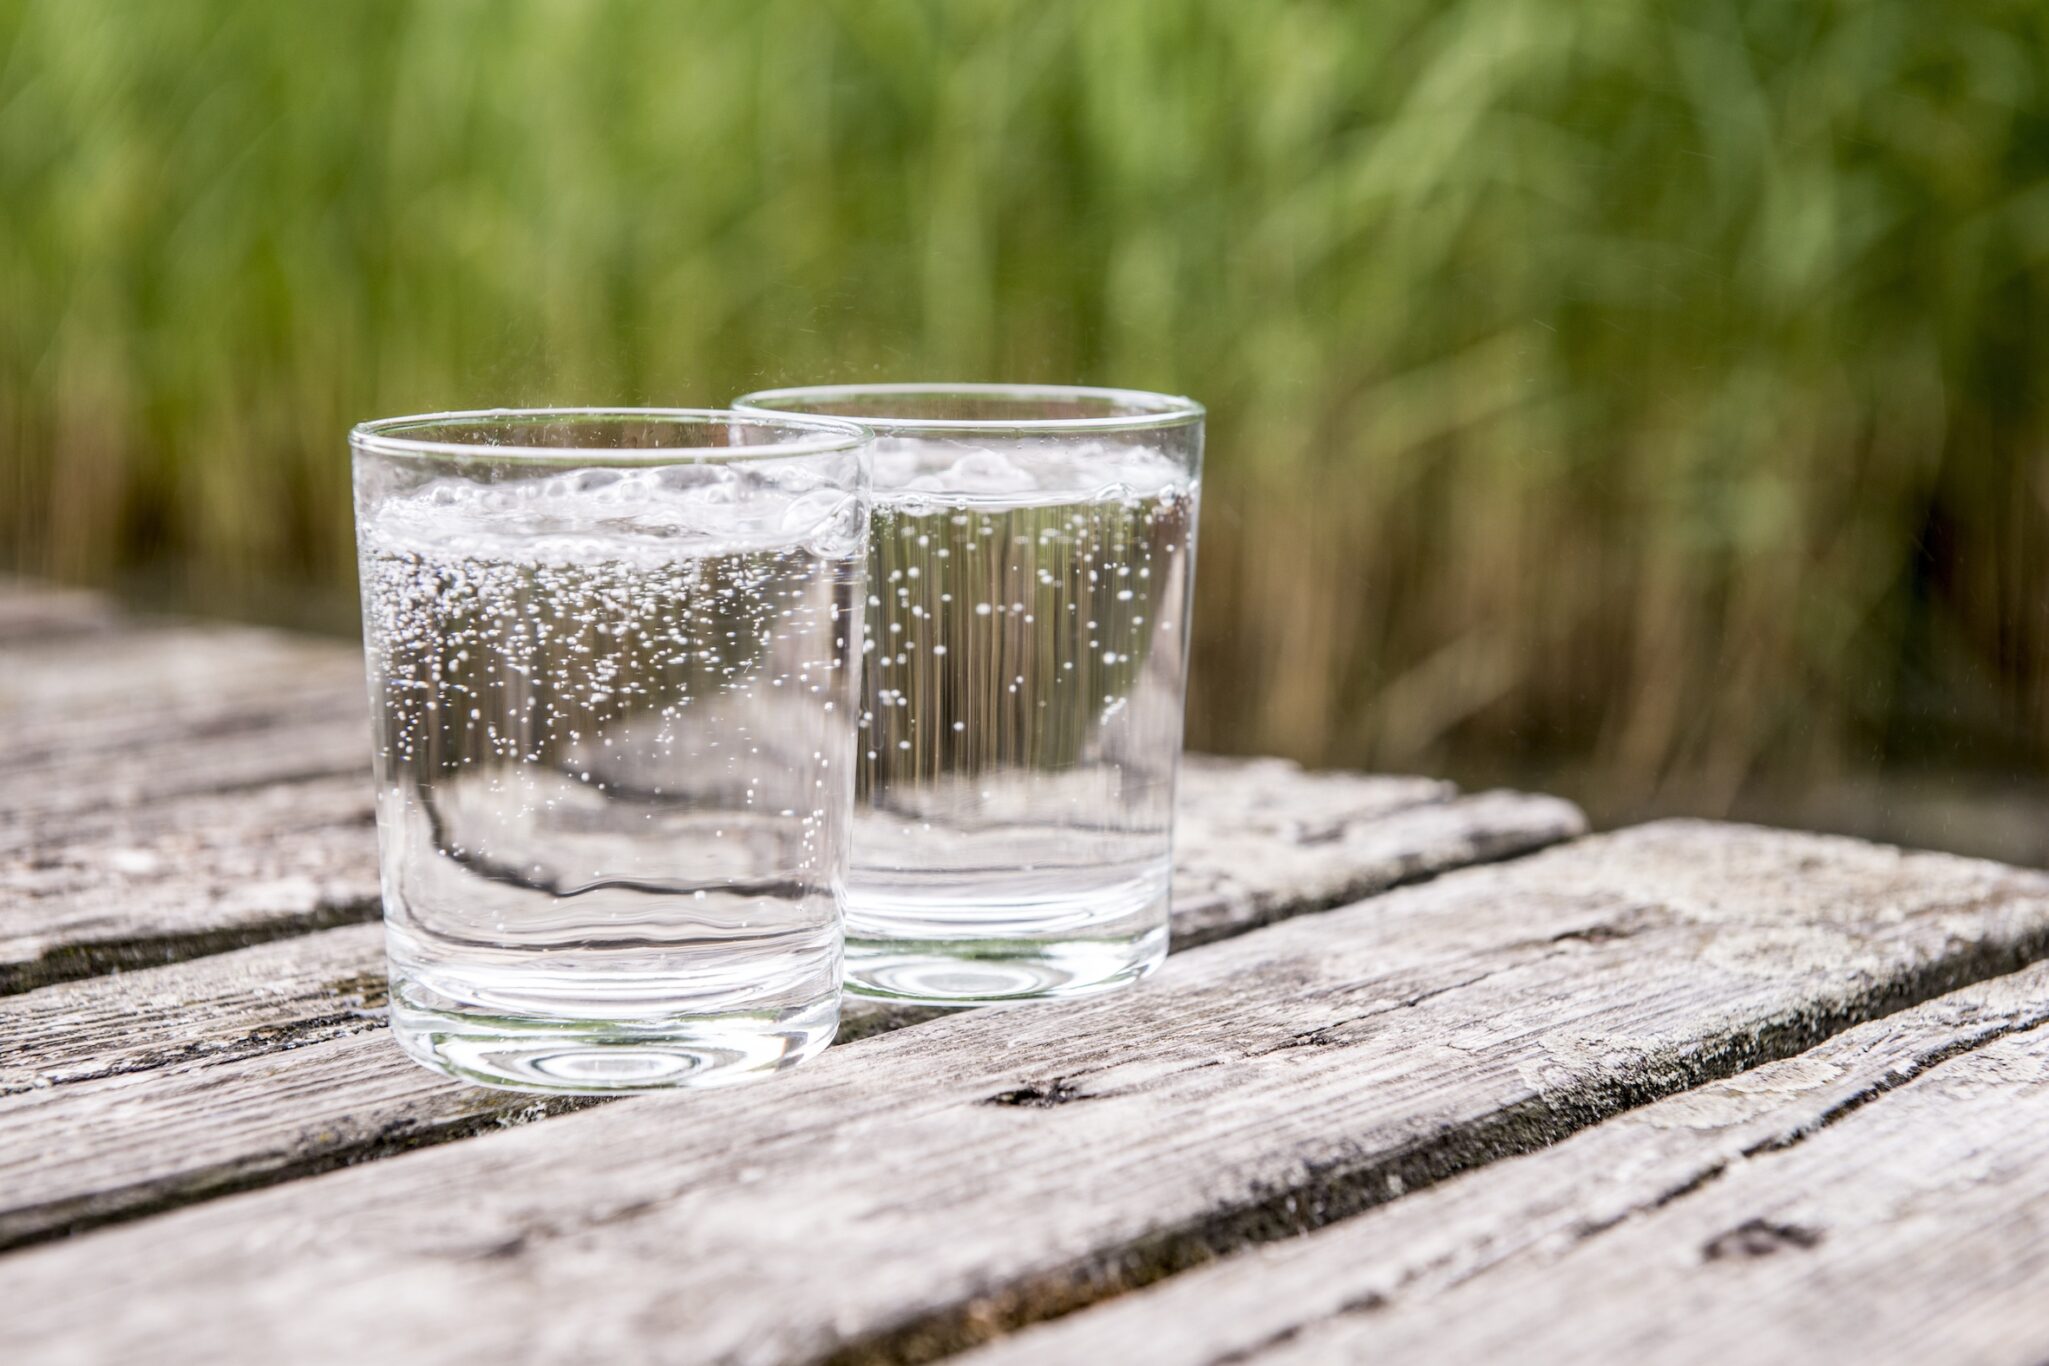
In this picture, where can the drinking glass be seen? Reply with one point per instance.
(1028, 590)
(612, 658)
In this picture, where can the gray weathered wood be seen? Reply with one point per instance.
(1914, 1230)
(218, 1110)
(101, 710)
(174, 789)
(175, 880)
(996, 1168)
(1259, 840)
(131, 886)
(158, 1138)
(31, 611)
(1402, 1273)
(164, 714)
(104, 688)
(274, 996)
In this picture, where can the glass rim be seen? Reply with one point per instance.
(1147, 411)
(814, 435)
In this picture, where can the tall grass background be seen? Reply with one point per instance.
(1651, 391)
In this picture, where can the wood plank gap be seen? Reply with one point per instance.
(170, 879)
(93, 958)
(1877, 1089)
(502, 1111)
(1408, 1252)
(1444, 832)
(1910, 1231)
(220, 1022)
(1487, 1011)
(1338, 1191)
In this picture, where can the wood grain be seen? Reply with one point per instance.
(130, 885)
(177, 789)
(162, 712)
(31, 611)
(988, 1170)
(1259, 840)
(1914, 1230)
(175, 880)
(217, 1073)
(244, 1003)
(1404, 1272)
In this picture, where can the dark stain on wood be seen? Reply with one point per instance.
(1041, 1095)
(73, 962)
(1760, 1238)
(1336, 1190)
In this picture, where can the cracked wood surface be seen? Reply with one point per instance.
(1915, 1230)
(176, 789)
(256, 1054)
(241, 1067)
(1259, 840)
(31, 611)
(1504, 1250)
(178, 879)
(120, 719)
(921, 1191)
(195, 796)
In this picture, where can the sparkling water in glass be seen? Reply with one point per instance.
(614, 678)
(1027, 621)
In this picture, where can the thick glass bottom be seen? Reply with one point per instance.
(947, 938)
(980, 972)
(567, 1056)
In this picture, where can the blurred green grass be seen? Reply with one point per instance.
(1644, 388)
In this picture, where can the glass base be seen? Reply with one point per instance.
(604, 1058)
(980, 972)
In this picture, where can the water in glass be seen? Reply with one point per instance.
(612, 747)
(1021, 717)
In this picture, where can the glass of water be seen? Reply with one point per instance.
(1027, 600)
(613, 663)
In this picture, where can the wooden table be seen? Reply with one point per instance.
(1430, 1077)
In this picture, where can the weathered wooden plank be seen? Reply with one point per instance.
(996, 1168)
(1399, 1273)
(217, 1110)
(156, 673)
(132, 886)
(101, 709)
(318, 732)
(1260, 840)
(266, 999)
(156, 715)
(215, 1129)
(176, 880)
(1914, 1230)
(31, 611)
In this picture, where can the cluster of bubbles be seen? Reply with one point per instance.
(644, 635)
(1014, 601)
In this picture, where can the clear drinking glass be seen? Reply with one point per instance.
(613, 682)
(1028, 590)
